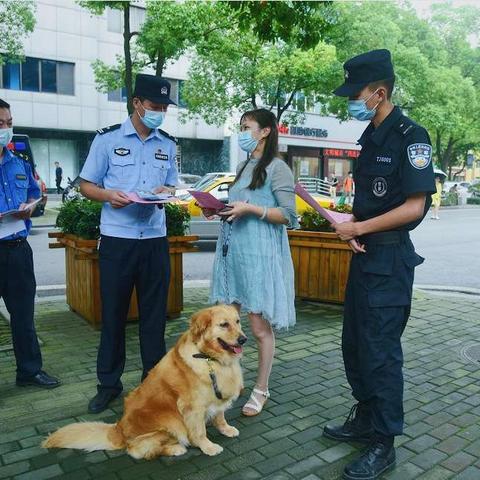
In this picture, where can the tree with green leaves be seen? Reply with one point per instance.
(18, 20)
(269, 53)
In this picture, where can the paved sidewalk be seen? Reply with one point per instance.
(441, 441)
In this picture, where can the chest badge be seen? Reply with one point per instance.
(122, 151)
(161, 156)
(379, 187)
(419, 155)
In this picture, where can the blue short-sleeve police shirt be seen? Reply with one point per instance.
(120, 160)
(395, 162)
(18, 185)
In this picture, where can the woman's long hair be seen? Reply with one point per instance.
(265, 119)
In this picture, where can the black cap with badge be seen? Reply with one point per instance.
(365, 69)
(153, 88)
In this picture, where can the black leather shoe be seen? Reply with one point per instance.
(376, 460)
(357, 427)
(41, 379)
(101, 400)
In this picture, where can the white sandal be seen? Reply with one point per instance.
(254, 404)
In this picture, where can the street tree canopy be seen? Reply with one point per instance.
(18, 20)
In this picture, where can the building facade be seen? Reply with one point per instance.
(54, 100)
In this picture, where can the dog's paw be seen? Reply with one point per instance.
(211, 449)
(175, 450)
(230, 431)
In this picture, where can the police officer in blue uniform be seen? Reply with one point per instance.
(128, 157)
(394, 180)
(17, 278)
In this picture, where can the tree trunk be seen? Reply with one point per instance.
(128, 57)
(160, 65)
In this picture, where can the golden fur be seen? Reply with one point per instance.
(169, 410)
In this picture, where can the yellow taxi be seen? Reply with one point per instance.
(219, 189)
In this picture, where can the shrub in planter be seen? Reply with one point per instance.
(81, 217)
(473, 201)
(312, 221)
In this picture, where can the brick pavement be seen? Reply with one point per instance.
(441, 441)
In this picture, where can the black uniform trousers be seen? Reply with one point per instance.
(377, 307)
(125, 264)
(17, 288)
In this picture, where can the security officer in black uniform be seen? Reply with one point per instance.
(17, 279)
(129, 157)
(394, 181)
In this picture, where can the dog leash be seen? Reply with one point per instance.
(211, 373)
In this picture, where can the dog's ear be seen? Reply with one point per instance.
(200, 322)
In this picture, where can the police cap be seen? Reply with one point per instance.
(365, 69)
(153, 88)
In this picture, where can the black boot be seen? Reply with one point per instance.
(377, 459)
(357, 427)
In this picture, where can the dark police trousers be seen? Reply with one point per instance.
(17, 288)
(125, 263)
(377, 307)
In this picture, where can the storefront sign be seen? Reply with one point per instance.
(303, 131)
(340, 153)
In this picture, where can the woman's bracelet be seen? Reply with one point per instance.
(264, 214)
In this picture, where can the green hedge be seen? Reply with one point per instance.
(312, 221)
(473, 201)
(81, 217)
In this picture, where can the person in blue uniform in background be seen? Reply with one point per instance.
(133, 252)
(17, 277)
(393, 185)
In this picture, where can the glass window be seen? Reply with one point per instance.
(118, 95)
(65, 78)
(30, 75)
(137, 18)
(49, 76)
(11, 76)
(114, 20)
(173, 90)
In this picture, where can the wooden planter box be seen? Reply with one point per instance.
(321, 262)
(83, 276)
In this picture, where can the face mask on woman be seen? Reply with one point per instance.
(246, 142)
(358, 108)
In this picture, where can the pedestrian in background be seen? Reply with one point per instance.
(17, 277)
(348, 187)
(393, 186)
(58, 177)
(133, 252)
(253, 268)
(437, 198)
(333, 182)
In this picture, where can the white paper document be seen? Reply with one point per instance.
(10, 225)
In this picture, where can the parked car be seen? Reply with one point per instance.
(208, 229)
(186, 181)
(20, 146)
(202, 182)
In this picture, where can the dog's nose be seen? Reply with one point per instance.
(242, 339)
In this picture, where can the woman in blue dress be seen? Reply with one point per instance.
(253, 268)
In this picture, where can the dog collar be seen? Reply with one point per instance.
(211, 373)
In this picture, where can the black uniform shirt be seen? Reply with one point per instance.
(395, 162)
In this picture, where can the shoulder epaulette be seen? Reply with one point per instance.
(111, 128)
(405, 125)
(171, 137)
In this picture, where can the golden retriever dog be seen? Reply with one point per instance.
(196, 381)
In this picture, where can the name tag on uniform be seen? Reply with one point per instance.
(161, 156)
(20, 176)
(381, 159)
(122, 151)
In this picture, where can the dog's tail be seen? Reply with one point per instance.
(88, 436)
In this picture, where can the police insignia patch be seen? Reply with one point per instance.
(122, 151)
(379, 187)
(419, 155)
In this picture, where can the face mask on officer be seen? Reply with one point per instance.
(151, 118)
(358, 108)
(6, 135)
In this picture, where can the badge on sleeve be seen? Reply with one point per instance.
(122, 151)
(419, 155)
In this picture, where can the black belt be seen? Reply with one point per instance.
(394, 237)
(13, 243)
